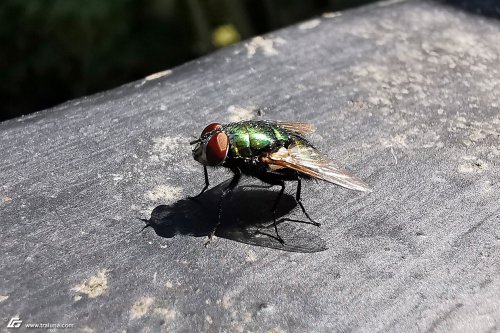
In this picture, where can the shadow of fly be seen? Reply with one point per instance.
(241, 221)
(272, 151)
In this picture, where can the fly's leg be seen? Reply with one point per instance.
(297, 198)
(280, 195)
(275, 180)
(227, 190)
(207, 183)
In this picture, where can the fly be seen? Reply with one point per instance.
(271, 151)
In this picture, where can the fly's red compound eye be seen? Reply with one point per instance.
(210, 128)
(216, 148)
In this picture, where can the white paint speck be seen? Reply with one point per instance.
(164, 193)
(167, 314)
(93, 286)
(158, 75)
(251, 256)
(237, 113)
(164, 148)
(167, 143)
(141, 307)
(477, 135)
(116, 177)
(398, 140)
(309, 24)
(226, 302)
(266, 45)
(389, 3)
(472, 164)
(332, 14)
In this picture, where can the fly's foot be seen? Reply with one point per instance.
(208, 241)
(195, 197)
(277, 237)
(212, 233)
(311, 221)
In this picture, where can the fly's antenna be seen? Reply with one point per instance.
(195, 141)
(206, 135)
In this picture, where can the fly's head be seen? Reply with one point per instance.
(212, 146)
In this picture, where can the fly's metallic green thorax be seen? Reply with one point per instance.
(250, 138)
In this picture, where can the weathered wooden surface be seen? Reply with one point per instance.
(404, 93)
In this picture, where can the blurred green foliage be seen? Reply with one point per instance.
(54, 50)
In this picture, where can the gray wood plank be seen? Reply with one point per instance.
(405, 94)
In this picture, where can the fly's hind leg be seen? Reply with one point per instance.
(273, 180)
(297, 198)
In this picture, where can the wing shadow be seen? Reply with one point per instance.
(247, 218)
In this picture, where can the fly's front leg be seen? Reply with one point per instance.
(206, 183)
(227, 190)
(297, 198)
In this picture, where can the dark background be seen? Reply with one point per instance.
(55, 50)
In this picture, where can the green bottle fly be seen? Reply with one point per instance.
(271, 151)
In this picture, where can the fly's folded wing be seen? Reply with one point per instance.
(308, 160)
(296, 127)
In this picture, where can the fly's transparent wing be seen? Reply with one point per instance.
(308, 160)
(296, 127)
